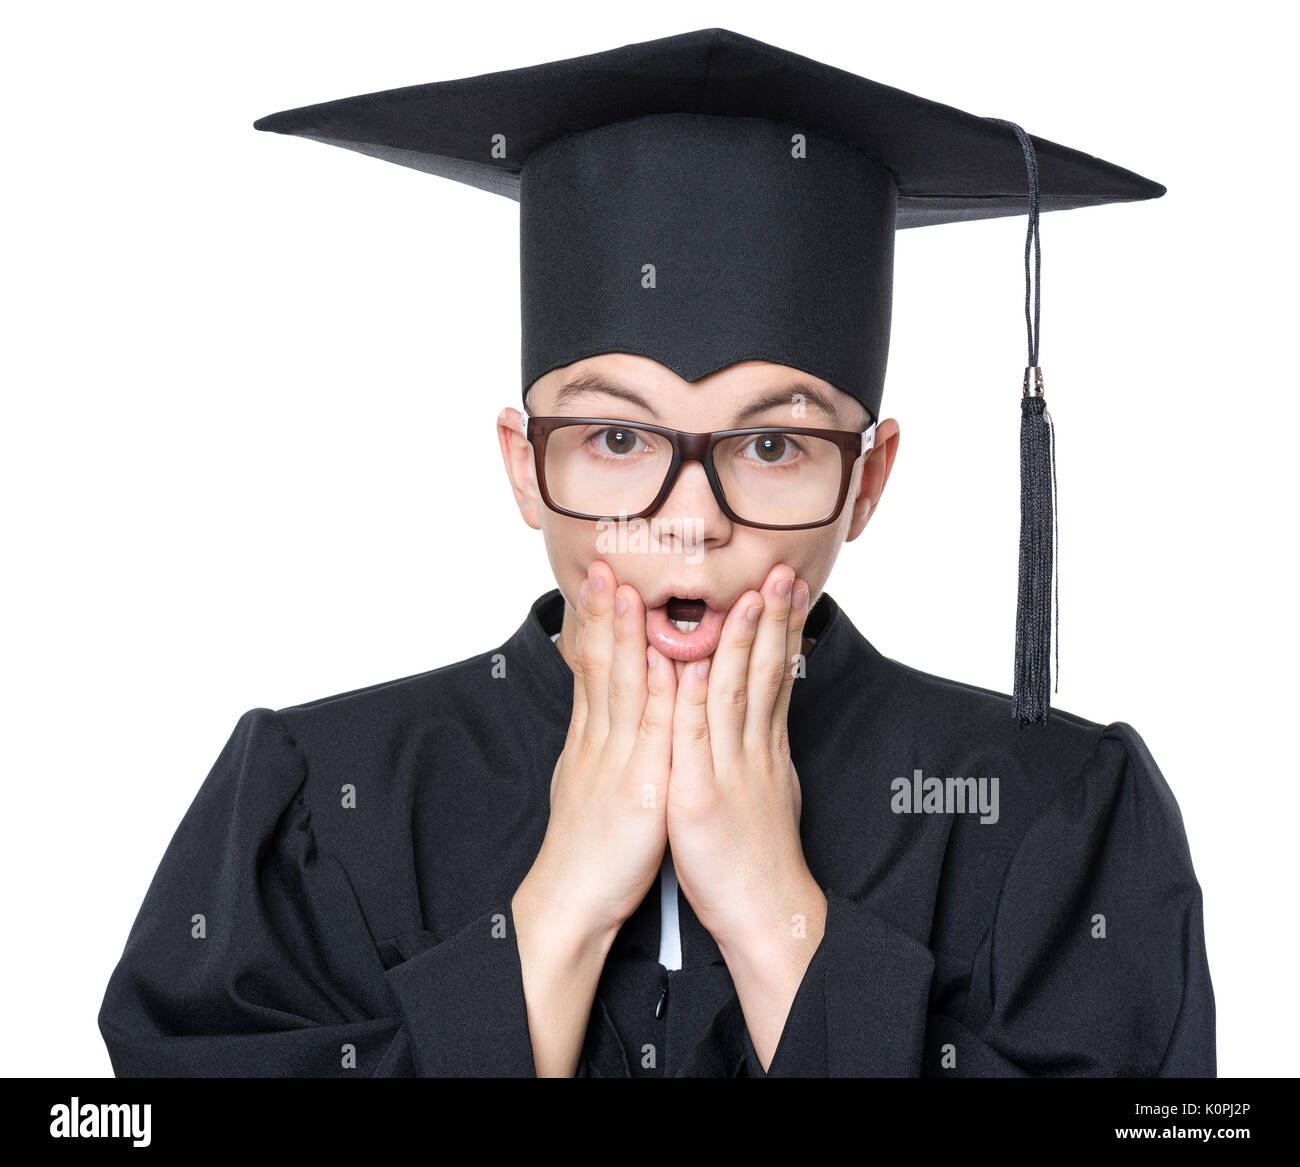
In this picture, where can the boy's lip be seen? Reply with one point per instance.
(686, 592)
(675, 644)
(671, 641)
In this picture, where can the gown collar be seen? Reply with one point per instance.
(840, 650)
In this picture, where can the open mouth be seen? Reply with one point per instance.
(684, 629)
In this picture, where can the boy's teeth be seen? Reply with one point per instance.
(686, 625)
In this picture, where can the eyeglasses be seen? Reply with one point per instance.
(779, 478)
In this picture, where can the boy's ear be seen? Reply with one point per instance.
(875, 473)
(517, 454)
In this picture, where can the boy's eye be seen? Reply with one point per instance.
(772, 449)
(618, 441)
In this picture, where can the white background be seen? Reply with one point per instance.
(224, 352)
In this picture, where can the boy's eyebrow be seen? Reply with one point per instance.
(594, 383)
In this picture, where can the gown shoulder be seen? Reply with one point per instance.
(253, 954)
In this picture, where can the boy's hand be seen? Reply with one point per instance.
(734, 804)
(607, 833)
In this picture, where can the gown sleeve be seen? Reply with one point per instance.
(1094, 964)
(251, 957)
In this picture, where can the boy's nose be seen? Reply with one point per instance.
(691, 499)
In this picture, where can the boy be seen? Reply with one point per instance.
(687, 821)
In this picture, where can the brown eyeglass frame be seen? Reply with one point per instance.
(691, 447)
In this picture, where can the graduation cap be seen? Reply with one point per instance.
(706, 198)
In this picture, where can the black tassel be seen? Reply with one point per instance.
(1031, 700)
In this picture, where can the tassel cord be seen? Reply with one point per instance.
(1038, 596)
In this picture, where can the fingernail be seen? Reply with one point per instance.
(651, 656)
(801, 596)
(620, 605)
(596, 583)
(783, 588)
(752, 614)
(582, 594)
(702, 667)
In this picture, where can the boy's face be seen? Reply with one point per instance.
(691, 547)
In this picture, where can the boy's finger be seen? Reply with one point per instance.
(692, 752)
(627, 683)
(767, 657)
(578, 719)
(598, 647)
(729, 674)
(794, 646)
(654, 746)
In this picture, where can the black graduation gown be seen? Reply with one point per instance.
(353, 861)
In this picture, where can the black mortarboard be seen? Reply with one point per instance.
(706, 198)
